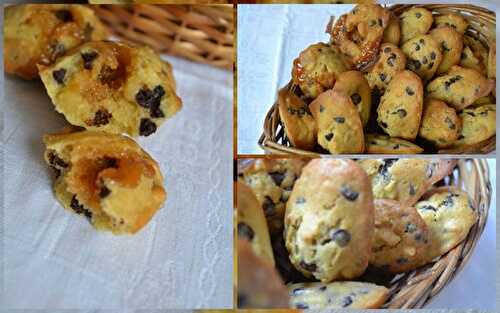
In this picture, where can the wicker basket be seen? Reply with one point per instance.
(202, 33)
(414, 289)
(482, 25)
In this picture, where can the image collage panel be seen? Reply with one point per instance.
(248, 156)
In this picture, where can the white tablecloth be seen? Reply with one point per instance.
(270, 37)
(181, 259)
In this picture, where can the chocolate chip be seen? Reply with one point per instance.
(147, 127)
(79, 208)
(396, 146)
(152, 99)
(382, 76)
(401, 112)
(346, 301)
(110, 162)
(461, 137)
(391, 59)
(64, 15)
(428, 208)
(322, 288)
(56, 50)
(308, 267)
(88, 59)
(433, 55)
(418, 236)
(450, 123)
(277, 177)
(417, 47)
(245, 231)
(355, 98)
(302, 306)
(387, 49)
(383, 124)
(268, 206)
(402, 261)
(297, 291)
(414, 64)
(348, 193)
(321, 108)
(101, 117)
(418, 15)
(341, 237)
(425, 60)
(300, 200)
(448, 201)
(329, 136)
(409, 91)
(444, 47)
(58, 75)
(380, 22)
(339, 119)
(104, 192)
(411, 190)
(410, 228)
(462, 100)
(383, 169)
(56, 161)
(430, 65)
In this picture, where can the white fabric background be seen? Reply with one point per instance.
(181, 259)
(270, 37)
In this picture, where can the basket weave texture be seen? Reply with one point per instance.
(201, 33)
(482, 24)
(414, 289)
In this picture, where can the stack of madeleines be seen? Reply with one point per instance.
(390, 84)
(107, 91)
(319, 224)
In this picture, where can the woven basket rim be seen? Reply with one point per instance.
(273, 130)
(415, 289)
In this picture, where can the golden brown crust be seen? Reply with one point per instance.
(358, 34)
(39, 33)
(390, 62)
(354, 85)
(382, 144)
(259, 285)
(106, 177)
(401, 237)
(299, 124)
(340, 129)
(440, 123)
(329, 220)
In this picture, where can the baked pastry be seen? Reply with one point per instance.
(478, 124)
(329, 220)
(391, 61)
(404, 180)
(440, 123)
(382, 144)
(252, 224)
(449, 214)
(354, 85)
(107, 178)
(39, 33)
(317, 68)
(401, 237)
(469, 59)
(392, 33)
(272, 180)
(424, 55)
(483, 100)
(479, 48)
(492, 60)
(337, 295)
(400, 107)
(460, 87)
(415, 22)
(259, 285)
(113, 87)
(455, 21)
(300, 127)
(451, 44)
(340, 129)
(359, 33)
